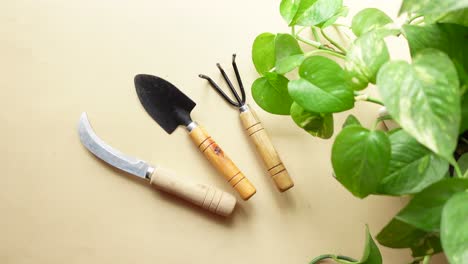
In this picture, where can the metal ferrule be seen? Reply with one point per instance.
(149, 172)
(244, 108)
(191, 126)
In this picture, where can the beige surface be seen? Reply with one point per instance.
(59, 204)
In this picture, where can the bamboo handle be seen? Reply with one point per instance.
(207, 197)
(222, 163)
(265, 148)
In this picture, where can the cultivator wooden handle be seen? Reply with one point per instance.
(265, 148)
(222, 162)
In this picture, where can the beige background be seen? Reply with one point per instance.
(59, 204)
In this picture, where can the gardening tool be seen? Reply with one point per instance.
(207, 197)
(254, 129)
(169, 107)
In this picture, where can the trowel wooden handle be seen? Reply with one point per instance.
(222, 162)
(265, 148)
(207, 197)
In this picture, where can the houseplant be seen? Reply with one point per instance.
(425, 158)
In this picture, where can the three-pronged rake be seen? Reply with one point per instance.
(254, 128)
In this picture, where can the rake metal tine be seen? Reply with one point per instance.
(218, 90)
(231, 87)
(239, 81)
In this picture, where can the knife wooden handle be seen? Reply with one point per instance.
(222, 162)
(265, 148)
(207, 197)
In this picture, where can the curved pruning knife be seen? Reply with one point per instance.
(207, 197)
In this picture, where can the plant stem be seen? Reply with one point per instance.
(411, 19)
(315, 32)
(332, 41)
(458, 171)
(308, 54)
(320, 46)
(427, 259)
(464, 139)
(330, 256)
(374, 100)
(341, 25)
(312, 43)
(299, 31)
(380, 119)
(366, 97)
(293, 30)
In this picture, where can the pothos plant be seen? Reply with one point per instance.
(426, 97)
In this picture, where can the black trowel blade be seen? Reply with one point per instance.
(166, 104)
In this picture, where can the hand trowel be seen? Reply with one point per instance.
(169, 107)
(207, 197)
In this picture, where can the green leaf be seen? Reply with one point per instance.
(271, 93)
(316, 124)
(424, 7)
(350, 121)
(463, 162)
(321, 88)
(454, 228)
(360, 159)
(288, 9)
(398, 234)
(288, 53)
(424, 99)
(371, 253)
(464, 114)
(313, 12)
(263, 52)
(364, 59)
(413, 167)
(424, 210)
(342, 12)
(459, 17)
(369, 19)
(448, 38)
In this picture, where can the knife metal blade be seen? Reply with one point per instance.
(166, 104)
(110, 155)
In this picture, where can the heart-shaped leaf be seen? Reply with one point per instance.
(454, 228)
(350, 121)
(459, 17)
(321, 88)
(371, 253)
(424, 7)
(448, 38)
(271, 93)
(463, 163)
(360, 159)
(263, 52)
(342, 12)
(398, 234)
(288, 9)
(316, 124)
(364, 59)
(408, 90)
(369, 19)
(425, 209)
(413, 167)
(288, 53)
(313, 12)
